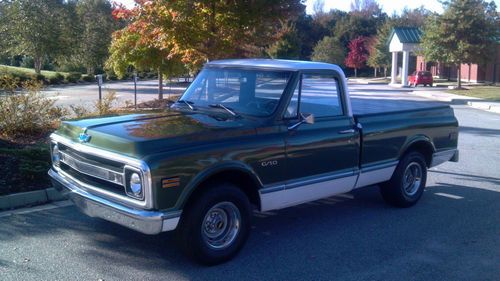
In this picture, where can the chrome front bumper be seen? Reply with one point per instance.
(148, 222)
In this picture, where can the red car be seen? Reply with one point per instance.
(420, 77)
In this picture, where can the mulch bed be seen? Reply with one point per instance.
(23, 167)
(24, 162)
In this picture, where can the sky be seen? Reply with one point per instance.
(389, 6)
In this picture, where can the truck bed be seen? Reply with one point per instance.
(374, 103)
(388, 124)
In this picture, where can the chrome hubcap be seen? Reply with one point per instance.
(412, 178)
(221, 225)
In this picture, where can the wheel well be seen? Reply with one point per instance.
(425, 148)
(241, 179)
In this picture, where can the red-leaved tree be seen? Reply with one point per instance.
(358, 54)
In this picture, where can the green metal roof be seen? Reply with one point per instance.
(410, 35)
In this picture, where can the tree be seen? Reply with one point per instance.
(207, 30)
(163, 33)
(465, 33)
(364, 20)
(329, 50)
(411, 18)
(366, 8)
(129, 49)
(287, 44)
(379, 55)
(34, 28)
(358, 54)
(97, 25)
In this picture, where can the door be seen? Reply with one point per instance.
(322, 158)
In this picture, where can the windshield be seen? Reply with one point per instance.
(251, 92)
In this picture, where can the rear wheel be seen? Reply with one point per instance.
(407, 184)
(215, 225)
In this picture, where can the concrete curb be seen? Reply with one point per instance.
(457, 99)
(484, 106)
(23, 199)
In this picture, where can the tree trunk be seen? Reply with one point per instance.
(160, 84)
(459, 79)
(355, 73)
(385, 72)
(90, 70)
(38, 64)
(375, 72)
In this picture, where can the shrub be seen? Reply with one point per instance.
(152, 75)
(22, 76)
(88, 78)
(80, 111)
(111, 77)
(39, 77)
(56, 79)
(104, 106)
(73, 77)
(27, 62)
(8, 83)
(29, 114)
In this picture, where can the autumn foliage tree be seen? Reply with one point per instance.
(139, 45)
(358, 54)
(164, 33)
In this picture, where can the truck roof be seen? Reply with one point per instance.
(275, 64)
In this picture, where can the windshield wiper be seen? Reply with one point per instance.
(220, 105)
(188, 103)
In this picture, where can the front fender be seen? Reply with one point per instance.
(212, 171)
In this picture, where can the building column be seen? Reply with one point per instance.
(404, 74)
(394, 68)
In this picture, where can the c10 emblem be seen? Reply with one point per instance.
(269, 163)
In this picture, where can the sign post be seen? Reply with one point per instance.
(135, 90)
(98, 77)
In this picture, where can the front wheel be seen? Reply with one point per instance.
(215, 225)
(407, 184)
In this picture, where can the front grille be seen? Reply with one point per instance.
(92, 170)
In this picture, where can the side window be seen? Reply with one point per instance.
(320, 95)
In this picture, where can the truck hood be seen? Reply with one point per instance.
(139, 135)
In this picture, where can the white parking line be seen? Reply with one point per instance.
(449, 195)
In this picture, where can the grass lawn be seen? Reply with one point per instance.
(483, 92)
(26, 71)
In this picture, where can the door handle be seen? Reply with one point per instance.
(349, 131)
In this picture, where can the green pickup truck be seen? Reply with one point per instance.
(247, 134)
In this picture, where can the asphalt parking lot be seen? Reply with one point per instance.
(453, 233)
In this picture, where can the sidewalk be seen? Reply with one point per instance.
(439, 95)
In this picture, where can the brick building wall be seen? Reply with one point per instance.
(489, 72)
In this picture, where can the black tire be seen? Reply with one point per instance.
(407, 184)
(196, 225)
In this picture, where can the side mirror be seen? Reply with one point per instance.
(307, 118)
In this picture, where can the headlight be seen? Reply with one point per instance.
(56, 156)
(135, 184)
